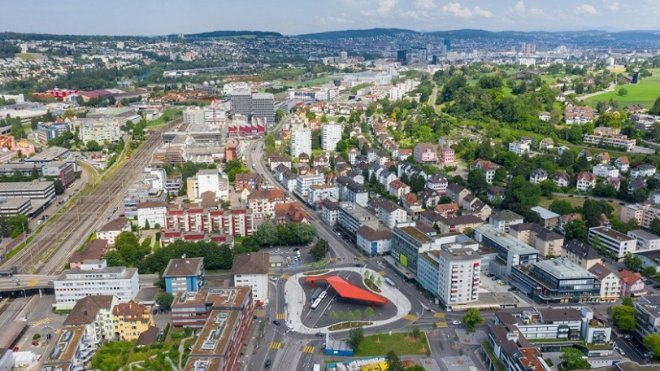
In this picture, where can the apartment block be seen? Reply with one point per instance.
(609, 239)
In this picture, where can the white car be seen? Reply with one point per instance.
(456, 322)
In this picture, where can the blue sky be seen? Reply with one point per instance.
(158, 17)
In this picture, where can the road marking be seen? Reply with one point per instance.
(284, 276)
(41, 322)
(439, 315)
(382, 273)
(276, 345)
(441, 324)
(280, 316)
(308, 349)
(410, 317)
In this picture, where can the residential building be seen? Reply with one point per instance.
(251, 269)
(646, 241)
(234, 222)
(290, 212)
(487, 167)
(301, 141)
(446, 155)
(220, 341)
(94, 313)
(352, 191)
(585, 182)
(643, 170)
(550, 219)
(632, 283)
(616, 242)
(519, 148)
(610, 283)
(330, 136)
(459, 224)
(510, 251)
(503, 219)
(437, 183)
(388, 212)
(73, 285)
(425, 152)
(605, 171)
(329, 211)
(185, 274)
(609, 137)
(537, 176)
(192, 309)
(398, 188)
(112, 229)
(130, 319)
(509, 350)
(206, 180)
(94, 251)
(262, 202)
(374, 242)
(72, 351)
(561, 179)
(151, 214)
(304, 182)
(578, 114)
(556, 281)
(644, 214)
(581, 254)
(547, 242)
(647, 314)
(100, 131)
(319, 192)
(352, 216)
(622, 163)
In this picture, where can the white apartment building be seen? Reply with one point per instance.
(73, 285)
(610, 283)
(304, 182)
(112, 229)
(604, 171)
(100, 131)
(643, 214)
(251, 269)
(330, 136)
(206, 180)
(519, 148)
(319, 192)
(152, 212)
(301, 141)
(614, 241)
(646, 241)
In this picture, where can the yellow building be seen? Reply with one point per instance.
(375, 366)
(130, 319)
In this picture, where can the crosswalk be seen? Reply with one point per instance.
(308, 349)
(410, 317)
(442, 324)
(439, 315)
(280, 316)
(276, 345)
(284, 276)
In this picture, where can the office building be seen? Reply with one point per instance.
(151, 214)
(192, 309)
(646, 241)
(556, 281)
(407, 243)
(185, 274)
(251, 269)
(647, 313)
(509, 350)
(263, 107)
(352, 216)
(330, 136)
(609, 239)
(547, 242)
(374, 242)
(73, 285)
(36, 190)
(301, 141)
(510, 252)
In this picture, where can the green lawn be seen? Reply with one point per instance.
(400, 343)
(644, 93)
(577, 201)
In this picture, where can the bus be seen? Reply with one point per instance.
(389, 281)
(315, 294)
(318, 300)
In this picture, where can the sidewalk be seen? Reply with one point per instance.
(294, 292)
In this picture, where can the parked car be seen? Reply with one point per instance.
(276, 322)
(268, 363)
(456, 322)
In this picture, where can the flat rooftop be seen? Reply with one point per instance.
(415, 233)
(505, 240)
(216, 334)
(563, 269)
(611, 233)
(25, 186)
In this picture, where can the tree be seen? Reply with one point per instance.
(652, 343)
(165, 300)
(547, 187)
(655, 110)
(279, 114)
(17, 130)
(632, 262)
(114, 259)
(655, 226)
(369, 312)
(627, 301)
(623, 317)
(622, 92)
(477, 181)
(593, 209)
(561, 207)
(472, 318)
(147, 225)
(128, 246)
(355, 337)
(266, 234)
(572, 359)
(393, 361)
(93, 146)
(319, 250)
(524, 192)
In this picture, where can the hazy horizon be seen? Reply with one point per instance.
(294, 17)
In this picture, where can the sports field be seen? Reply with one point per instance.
(644, 93)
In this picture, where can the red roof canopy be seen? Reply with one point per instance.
(347, 290)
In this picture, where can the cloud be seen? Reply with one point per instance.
(585, 9)
(385, 6)
(612, 5)
(331, 20)
(520, 9)
(457, 10)
(425, 4)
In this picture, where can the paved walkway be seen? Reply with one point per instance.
(294, 291)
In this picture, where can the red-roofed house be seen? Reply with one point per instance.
(631, 283)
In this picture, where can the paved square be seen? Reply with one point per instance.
(462, 363)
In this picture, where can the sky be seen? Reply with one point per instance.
(161, 17)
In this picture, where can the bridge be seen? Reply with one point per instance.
(33, 283)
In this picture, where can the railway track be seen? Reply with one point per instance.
(50, 249)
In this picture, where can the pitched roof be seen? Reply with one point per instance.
(371, 234)
(629, 277)
(600, 271)
(94, 251)
(134, 310)
(251, 263)
(86, 309)
(581, 249)
(184, 267)
(116, 224)
(149, 336)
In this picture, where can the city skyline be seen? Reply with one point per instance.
(153, 18)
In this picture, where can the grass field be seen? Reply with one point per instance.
(644, 93)
(400, 343)
(578, 201)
